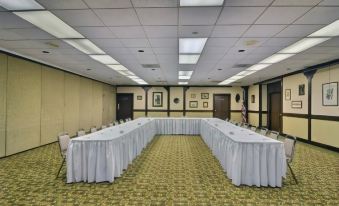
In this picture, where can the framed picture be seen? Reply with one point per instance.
(252, 98)
(157, 99)
(330, 94)
(139, 97)
(287, 94)
(297, 104)
(193, 96)
(301, 89)
(205, 105)
(204, 95)
(193, 104)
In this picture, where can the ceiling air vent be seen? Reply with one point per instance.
(150, 66)
(159, 81)
(241, 65)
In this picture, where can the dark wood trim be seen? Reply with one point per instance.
(281, 104)
(305, 116)
(146, 88)
(165, 110)
(325, 117)
(253, 111)
(185, 88)
(260, 105)
(168, 100)
(309, 75)
(175, 85)
(235, 110)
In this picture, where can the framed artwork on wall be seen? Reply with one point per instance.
(330, 94)
(193, 104)
(287, 94)
(193, 96)
(301, 89)
(139, 97)
(204, 96)
(297, 104)
(205, 105)
(252, 98)
(157, 99)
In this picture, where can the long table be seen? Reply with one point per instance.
(247, 157)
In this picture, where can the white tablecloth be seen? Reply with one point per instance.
(247, 157)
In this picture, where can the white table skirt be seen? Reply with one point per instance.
(247, 157)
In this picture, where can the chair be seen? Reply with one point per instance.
(226, 119)
(81, 132)
(93, 129)
(289, 144)
(121, 121)
(63, 145)
(273, 134)
(116, 122)
(245, 125)
(103, 127)
(239, 124)
(253, 128)
(127, 120)
(263, 131)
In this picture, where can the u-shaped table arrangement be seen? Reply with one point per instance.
(248, 158)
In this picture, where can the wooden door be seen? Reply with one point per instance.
(221, 106)
(124, 106)
(275, 112)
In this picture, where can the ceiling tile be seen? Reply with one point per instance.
(105, 4)
(9, 20)
(161, 31)
(299, 30)
(165, 50)
(248, 43)
(280, 41)
(221, 42)
(296, 3)
(135, 43)
(329, 3)
(198, 15)
(128, 31)
(187, 31)
(31, 33)
(239, 15)
(117, 17)
(158, 16)
(320, 15)
(63, 4)
(95, 32)
(287, 15)
(107, 43)
(166, 42)
(78, 17)
(229, 30)
(263, 30)
(155, 3)
(248, 2)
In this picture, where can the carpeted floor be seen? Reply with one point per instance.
(172, 170)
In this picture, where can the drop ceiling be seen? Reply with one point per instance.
(121, 28)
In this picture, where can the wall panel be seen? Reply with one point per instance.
(253, 119)
(236, 116)
(96, 104)
(295, 126)
(85, 104)
(322, 134)
(199, 114)
(138, 114)
(3, 91)
(157, 114)
(176, 114)
(52, 104)
(23, 105)
(71, 109)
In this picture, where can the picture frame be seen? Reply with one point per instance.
(204, 95)
(193, 96)
(139, 97)
(157, 99)
(252, 98)
(301, 89)
(297, 104)
(287, 94)
(330, 94)
(193, 104)
(205, 105)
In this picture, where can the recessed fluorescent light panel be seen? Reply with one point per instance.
(188, 59)
(84, 45)
(185, 73)
(275, 58)
(329, 30)
(191, 45)
(302, 45)
(118, 67)
(184, 77)
(258, 67)
(104, 59)
(182, 83)
(20, 5)
(50, 23)
(201, 2)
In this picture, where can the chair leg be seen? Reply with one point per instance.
(295, 179)
(62, 164)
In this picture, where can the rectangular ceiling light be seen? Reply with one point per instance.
(185, 73)
(188, 59)
(20, 5)
(258, 67)
(126, 73)
(201, 2)
(327, 31)
(225, 82)
(104, 59)
(84, 45)
(275, 58)
(191, 45)
(182, 83)
(117, 67)
(50, 23)
(184, 77)
(302, 45)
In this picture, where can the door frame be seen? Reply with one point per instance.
(116, 106)
(269, 110)
(229, 105)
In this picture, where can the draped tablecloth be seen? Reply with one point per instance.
(247, 157)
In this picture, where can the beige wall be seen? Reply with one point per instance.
(253, 90)
(43, 102)
(176, 92)
(325, 132)
(150, 98)
(295, 126)
(292, 83)
(253, 119)
(136, 91)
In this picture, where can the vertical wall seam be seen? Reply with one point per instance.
(6, 102)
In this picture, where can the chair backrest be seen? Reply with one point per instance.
(103, 127)
(81, 133)
(273, 134)
(127, 120)
(263, 131)
(116, 122)
(245, 125)
(63, 144)
(93, 129)
(121, 121)
(289, 144)
(226, 119)
(111, 124)
(253, 128)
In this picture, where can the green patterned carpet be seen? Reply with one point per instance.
(172, 170)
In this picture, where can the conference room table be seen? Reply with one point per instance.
(248, 158)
